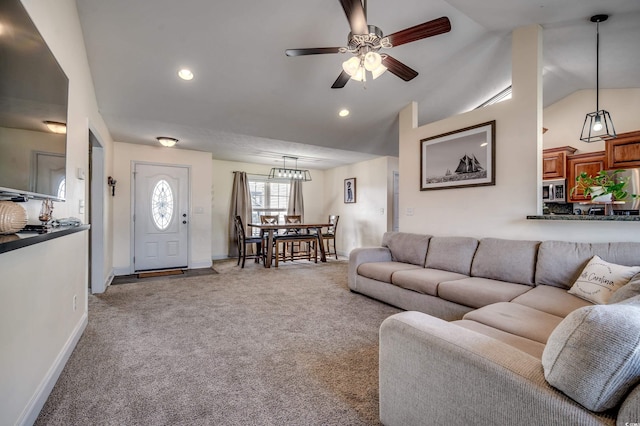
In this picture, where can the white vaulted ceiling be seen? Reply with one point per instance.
(250, 102)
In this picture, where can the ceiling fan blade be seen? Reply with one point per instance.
(340, 82)
(399, 69)
(312, 51)
(356, 16)
(418, 32)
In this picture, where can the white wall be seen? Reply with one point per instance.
(564, 118)
(200, 228)
(38, 326)
(363, 222)
(312, 193)
(500, 210)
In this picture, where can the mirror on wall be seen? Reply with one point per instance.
(33, 93)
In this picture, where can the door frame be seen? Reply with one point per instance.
(98, 283)
(132, 247)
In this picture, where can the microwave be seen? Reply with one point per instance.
(554, 191)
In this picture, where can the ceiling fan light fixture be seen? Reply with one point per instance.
(372, 60)
(351, 65)
(378, 71)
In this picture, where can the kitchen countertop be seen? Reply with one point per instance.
(585, 217)
(26, 238)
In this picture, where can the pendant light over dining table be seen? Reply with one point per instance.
(285, 172)
(598, 125)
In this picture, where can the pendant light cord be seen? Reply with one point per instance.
(597, 66)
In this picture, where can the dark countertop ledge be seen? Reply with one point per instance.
(598, 218)
(24, 239)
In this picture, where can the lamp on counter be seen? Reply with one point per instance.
(285, 172)
(598, 125)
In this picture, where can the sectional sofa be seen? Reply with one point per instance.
(495, 332)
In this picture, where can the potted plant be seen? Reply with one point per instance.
(604, 186)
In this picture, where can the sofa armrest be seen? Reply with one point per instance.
(365, 255)
(630, 409)
(436, 370)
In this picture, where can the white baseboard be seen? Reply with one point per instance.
(109, 279)
(200, 265)
(121, 271)
(31, 411)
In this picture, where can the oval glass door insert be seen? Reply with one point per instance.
(162, 204)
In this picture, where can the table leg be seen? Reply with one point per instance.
(323, 256)
(267, 262)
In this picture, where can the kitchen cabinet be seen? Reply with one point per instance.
(590, 163)
(554, 162)
(624, 151)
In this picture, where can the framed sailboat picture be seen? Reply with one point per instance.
(459, 159)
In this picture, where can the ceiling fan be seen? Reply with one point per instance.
(364, 42)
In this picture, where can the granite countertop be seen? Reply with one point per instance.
(585, 217)
(27, 238)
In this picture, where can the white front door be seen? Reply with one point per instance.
(161, 217)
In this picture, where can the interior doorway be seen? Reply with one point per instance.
(97, 282)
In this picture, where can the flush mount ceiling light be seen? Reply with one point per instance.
(167, 141)
(343, 112)
(185, 74)
(285, 172)
(56, 127)
(598, 125)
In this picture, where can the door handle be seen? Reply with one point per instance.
(184, 222)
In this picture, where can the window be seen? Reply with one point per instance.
(268, 197)
(162, 204)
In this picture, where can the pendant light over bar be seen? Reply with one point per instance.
(285, 172)
(598, 125)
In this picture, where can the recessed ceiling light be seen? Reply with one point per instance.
(343, 112)
(167, 141)
(185, 74)
(484, 144)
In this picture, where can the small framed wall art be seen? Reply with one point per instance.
(458, 159)
(350, 190)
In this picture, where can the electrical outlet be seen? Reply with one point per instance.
(75, 302)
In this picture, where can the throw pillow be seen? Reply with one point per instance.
(592, 355)
(627, 291)
(600, 279)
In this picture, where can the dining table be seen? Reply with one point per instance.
(271, 228)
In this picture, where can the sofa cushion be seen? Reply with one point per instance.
(478, 292)
(552, 300)
(382, 271)
(405, 247)
(505, 260)
(525, 345)
(560, 263)
(423, 280)
(593, 356)
(516, 319)
(627, 291)
(600, 279)
(453, 254)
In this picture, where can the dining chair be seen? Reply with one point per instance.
(330, 235)
(244, 241)
(293, 239)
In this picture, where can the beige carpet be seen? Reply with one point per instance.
(252, 346)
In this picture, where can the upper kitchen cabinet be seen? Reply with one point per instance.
(554, 161)
(624, 151)
(590, 163)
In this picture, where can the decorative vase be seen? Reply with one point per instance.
(598, 195)
(13, 217)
